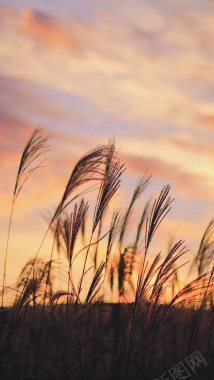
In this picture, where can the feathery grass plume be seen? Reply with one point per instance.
(30, 282)
(114, 230)
(73, 227)
(205, 252)
(79, 287)
(36, 146)
(125, 256)
(56, 229)
(166, 271)
(94, 288)
(159, 211)
(40, 269)
(151, 291)
(175, 280)
(193, 292)
(29, 293)
(61, 293)
(144, 284)
(83, 229)
(65, 231)
(61, 232)
(139, 231)
(95, 254)
(109, 185)
(25, 270)
(140, 225)
(141, 186)
(123, 268)
(89, 168)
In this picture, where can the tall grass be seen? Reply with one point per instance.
(36, 146)
(69, 333)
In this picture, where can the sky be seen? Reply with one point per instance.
(138, 71)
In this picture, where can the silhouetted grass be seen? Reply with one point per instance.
(68, 334)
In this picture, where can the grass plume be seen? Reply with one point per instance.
(36, 147)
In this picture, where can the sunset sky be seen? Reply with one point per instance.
(139, 71)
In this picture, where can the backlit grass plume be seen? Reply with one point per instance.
(160, 209)
(36, 147)
(95, 286)
(109, 185)
(141, 186)
(69, 227)
(31, 282)
(91, 167)
(205, 252)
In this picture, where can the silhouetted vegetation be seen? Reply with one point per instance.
(69, 333)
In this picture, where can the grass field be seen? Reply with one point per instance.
(74, 334)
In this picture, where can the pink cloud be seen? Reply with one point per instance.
(7, 14)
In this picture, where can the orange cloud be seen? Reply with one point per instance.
(207, 121)
(45, 28)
